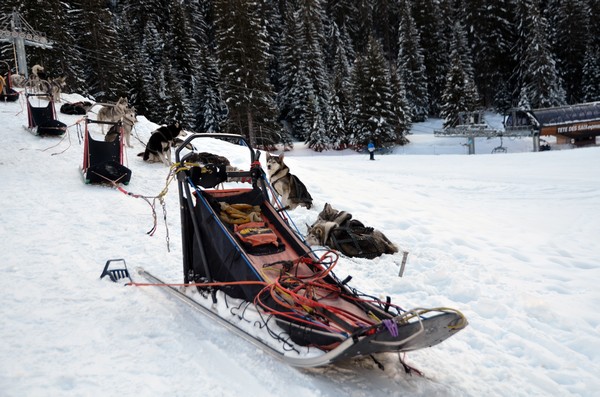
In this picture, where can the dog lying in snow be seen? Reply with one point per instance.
(337, 230)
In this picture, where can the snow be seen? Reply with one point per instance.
(510, 240)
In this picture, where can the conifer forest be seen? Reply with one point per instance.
(331, 73)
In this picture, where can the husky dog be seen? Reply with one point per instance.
(38, 73)
(113, 113)
(80, 108)
(160, 143)
(337, 230)
(55, 87)
(17, 81)
(128, 121)
(292, 191)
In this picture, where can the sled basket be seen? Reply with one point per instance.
(42, 119)
(103, 161)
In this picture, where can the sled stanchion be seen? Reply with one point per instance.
(116, 274)
(403, 264)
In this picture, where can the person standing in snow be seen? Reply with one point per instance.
(371, 149)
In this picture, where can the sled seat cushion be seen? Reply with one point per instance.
(255, 234)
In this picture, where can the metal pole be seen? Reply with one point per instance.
(471, 141)
(19, 40)
(536, 142)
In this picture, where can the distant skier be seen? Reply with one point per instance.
(371, 149)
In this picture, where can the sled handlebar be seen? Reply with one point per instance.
(227, 137)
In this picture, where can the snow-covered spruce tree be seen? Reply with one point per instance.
(402, 108)
(312, 33)
(175, 97)
(142, 37)
(211, 109)
(491, 35)
(590, 80)
(541, 85)
(336, 124)
(567, 29)
(411, 64)
(182, 50)
(340, 96)
(460, 94)
(208, 107)
(318, 139)
(103, 64)
(305, 82)
(372, 116)
(153, 75)
(243, 60)
(434, 43)
(385, 17)
(358, 19)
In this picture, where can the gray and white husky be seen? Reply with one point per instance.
(338, 230)
(292, 191)
(128, 120)
(113, 113)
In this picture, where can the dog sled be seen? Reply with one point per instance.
(42, 119)
(7, 93)
(103, 161)
(239, 251)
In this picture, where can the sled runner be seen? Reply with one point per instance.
(42, 119)
(103, 161)
(238, 248)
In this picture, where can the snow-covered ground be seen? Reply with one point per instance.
(510, 240)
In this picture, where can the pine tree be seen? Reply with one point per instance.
(153, 89)
(591, 70)
(311, 34)
(386, 15)
(103, 62)
(241, 51)
(401, 106)
(411, 65)
(340, 97)
(305, 82)
(491, 33)
(428, 18)
(336, 124)
(541, 84)
(568, 38)
(590, 79)
(373, 117)
(460, 94)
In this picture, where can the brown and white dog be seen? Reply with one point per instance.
(292, 191)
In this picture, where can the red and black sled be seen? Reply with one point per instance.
(239, 248)
(102, 160)
(42, 118)
(7, 93)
